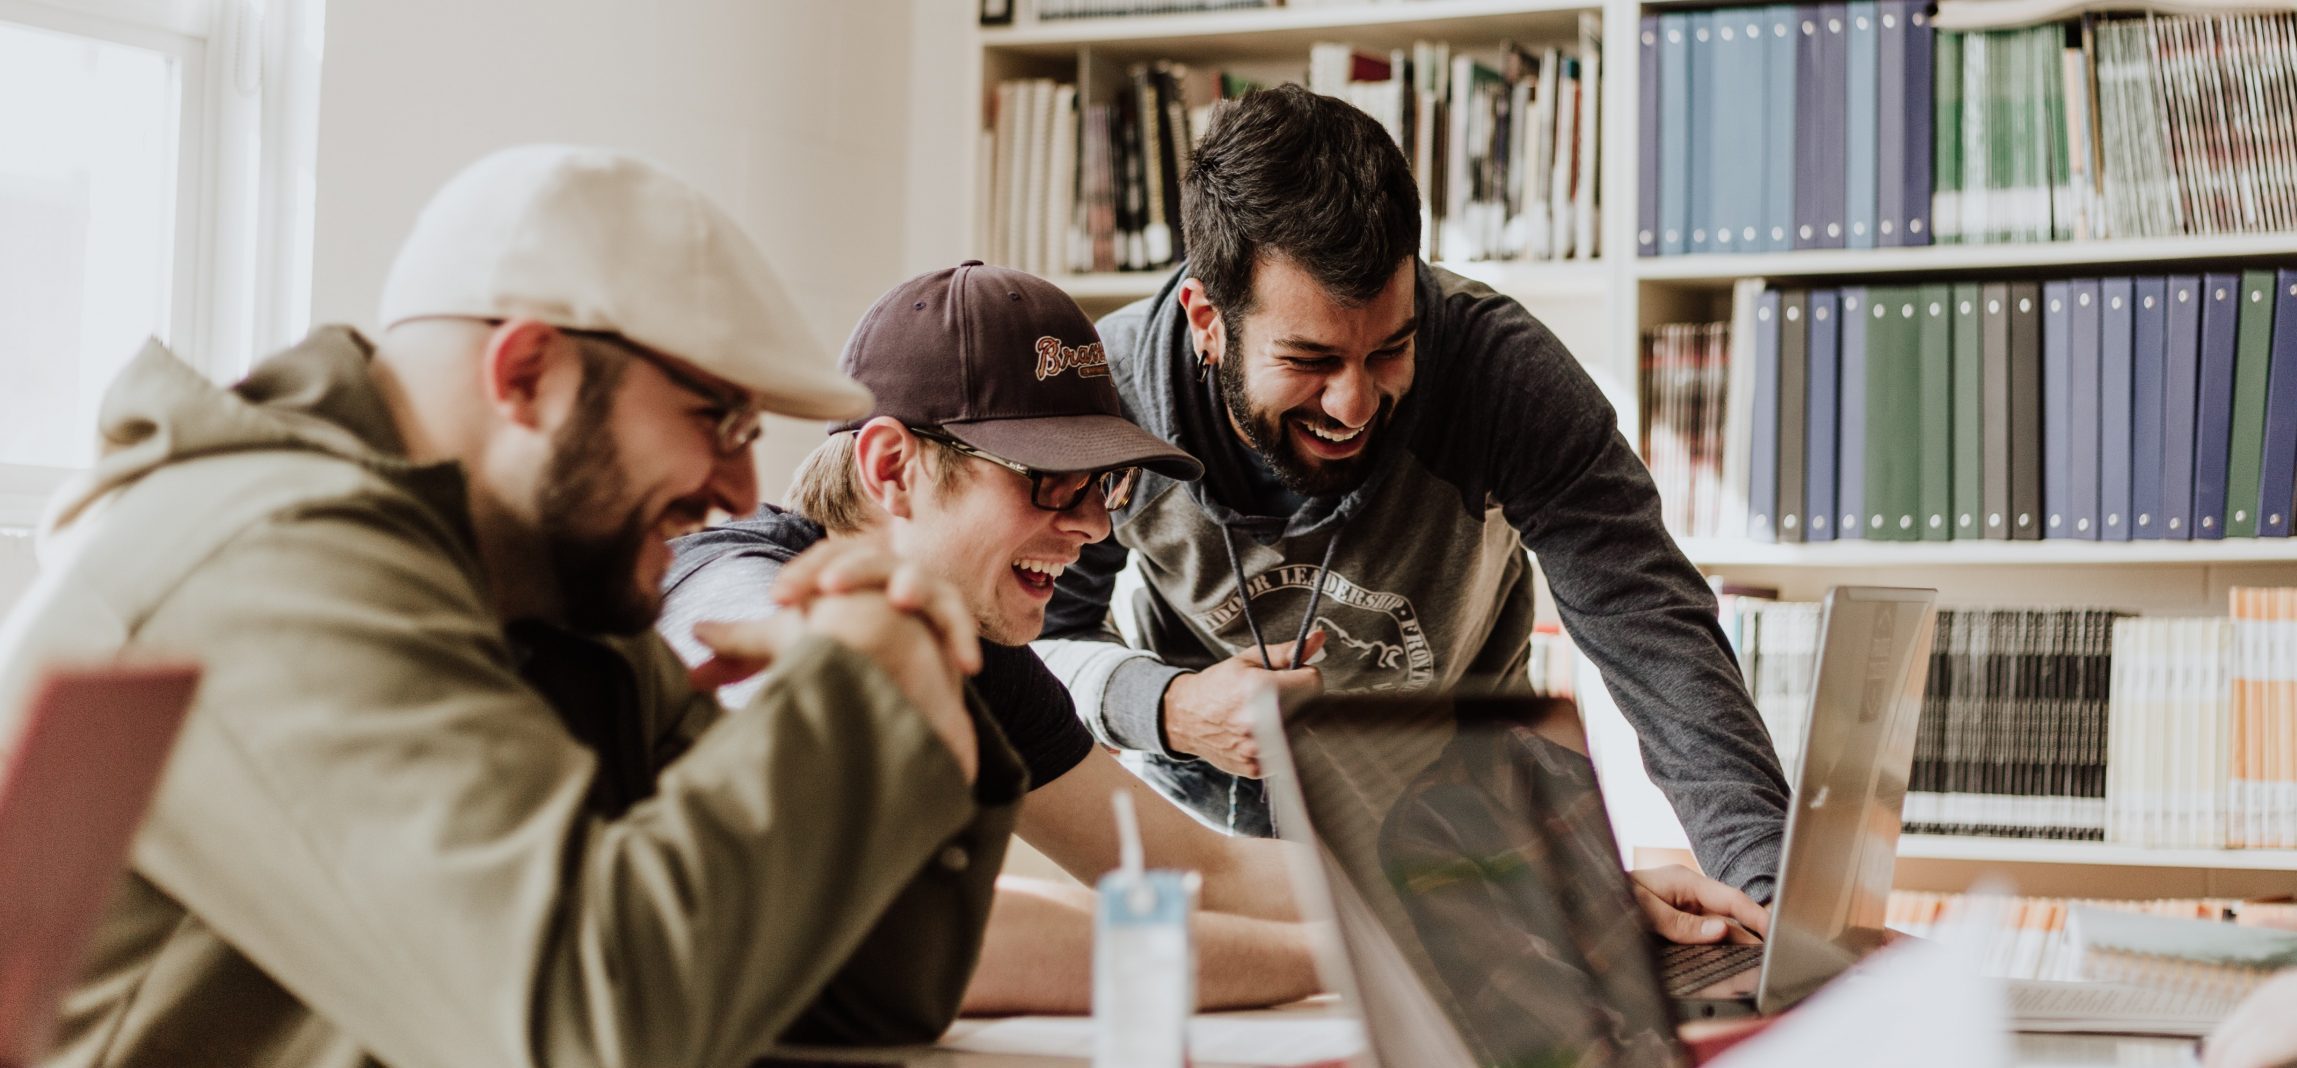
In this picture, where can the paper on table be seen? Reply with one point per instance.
(1272, 1041)
(1915, 1004)
(2113, 1009)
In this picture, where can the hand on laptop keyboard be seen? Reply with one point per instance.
(1685, 906)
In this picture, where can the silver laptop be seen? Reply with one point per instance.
(1460, 846)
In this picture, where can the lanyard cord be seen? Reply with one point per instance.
(1244, 599)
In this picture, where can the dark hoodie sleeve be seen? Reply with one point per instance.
(1548, 446)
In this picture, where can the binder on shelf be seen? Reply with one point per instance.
(1968, 425)
(1648, 167)
(2213, 401)
(1701, 30)
(1675, 133)
(1892, 105)
(1934, 343)
(1779, 132)
(1994, 409)
(2025, 325)
(1794, 392)
(2149, 384)
(1833, 123)
(1854, 414)
(2253, 353)
(1763, 450)
(2181, 382)
(1921, 44)
(1822, 404)
(1860, 150)
(1895, 398)
(2116, 310)
(1737, 123)
(2278, 466)
(1945, 202)
(2057, 408)
(2082, 377)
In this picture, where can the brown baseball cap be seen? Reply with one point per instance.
(1005, 362)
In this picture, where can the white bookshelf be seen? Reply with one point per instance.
(1619, 295)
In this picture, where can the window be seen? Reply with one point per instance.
(154, 182)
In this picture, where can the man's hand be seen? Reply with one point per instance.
(1206, 713)
(841, 565)
(1685, 906)
(897, 641)
(2262, 1033)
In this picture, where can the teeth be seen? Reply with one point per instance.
(1047, 569)
(1333, 435)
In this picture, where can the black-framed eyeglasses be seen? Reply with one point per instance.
(739, 421)
(1053, 491)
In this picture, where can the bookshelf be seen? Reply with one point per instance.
(1602, 306)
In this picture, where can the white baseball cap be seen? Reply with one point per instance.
(589, 239)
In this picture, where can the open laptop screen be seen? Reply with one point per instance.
(1465, 834)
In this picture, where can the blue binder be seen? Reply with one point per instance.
(1732, 130)
(2116, 308)
(2279, 472)
(1703, 63)
(1916, 177)
(2057, 407)
(2181, 380)
(1779, 132)
(2149, 379)
(1860, 118)
(1763, 452)
(1890, 107)
(2213, 403)
(1674, 133)
(1852, 416)
(2083, 374)
(1820, 415)
(1647, 139)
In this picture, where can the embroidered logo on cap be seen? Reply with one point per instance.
(1089, 360)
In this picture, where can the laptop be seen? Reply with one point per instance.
(1460, 846)
(78, 765)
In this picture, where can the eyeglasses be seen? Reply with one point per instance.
(1053, 491)
(739, 421)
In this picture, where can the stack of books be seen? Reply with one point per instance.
(1057, 10)
(1682, 397)
(2096, 408)
(2035, 939)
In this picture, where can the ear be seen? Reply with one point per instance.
(889, 464)
(1204, 323)
(521, 356)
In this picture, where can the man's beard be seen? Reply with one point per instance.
(596, 575)
(1265, 432)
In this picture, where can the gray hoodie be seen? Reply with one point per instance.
(1504, 444)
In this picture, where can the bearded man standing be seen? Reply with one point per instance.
(1382, 441)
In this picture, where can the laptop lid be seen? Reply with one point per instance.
(76, 775)
(1842, 829)
(1463, 850)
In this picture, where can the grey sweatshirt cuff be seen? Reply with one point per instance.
(1132, 705)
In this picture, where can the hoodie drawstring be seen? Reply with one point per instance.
(1244, 604)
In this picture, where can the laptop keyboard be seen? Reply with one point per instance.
(1687, 968)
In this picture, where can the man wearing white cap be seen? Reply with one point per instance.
(444, 799)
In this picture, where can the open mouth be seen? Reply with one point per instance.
(1325, 441)
(1036, 576)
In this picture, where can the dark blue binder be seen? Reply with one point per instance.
(2116, 308)
(1859, 117)
(1647, 139)
(2181, 379)
(2277, 497)
(2057, 407)
(1852, 416)
(1821, 87)
(1674, 133)
(1763, 451)
(1890, 118)
(1915, 171)
(1785, 29)
(2149, 379)
(2082, 377)
(2213, 402)
(1702, 119)
(1821, 412)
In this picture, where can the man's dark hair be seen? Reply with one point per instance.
(1311, 178)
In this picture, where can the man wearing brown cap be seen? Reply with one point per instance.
(992, 457)
(443, 798)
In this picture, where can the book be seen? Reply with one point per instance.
(2278, 463)
(2084, 375)
(1649, 163)
(1794, 428)
(1860, 154)
(1822, 412)
(2025, 415)
(2149, 380)
(2253, 353)
(2057, 407)
(1763, 455)
(1935, 458)
(1780, 67)
(1854, 413)
(1994, 410)
(1968, 424)
(2117, 298)
(1675, 133)
(2221, 301)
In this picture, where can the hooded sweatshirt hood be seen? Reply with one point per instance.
(1167, 394)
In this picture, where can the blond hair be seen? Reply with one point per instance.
(827, 486)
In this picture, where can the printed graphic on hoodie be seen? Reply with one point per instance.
(1373, 639)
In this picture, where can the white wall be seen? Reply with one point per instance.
(793, 114)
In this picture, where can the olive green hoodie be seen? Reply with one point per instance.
(372, 843)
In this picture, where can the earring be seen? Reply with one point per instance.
(1203, 366)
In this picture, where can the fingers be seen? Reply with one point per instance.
(1309, 649)
(833, 567)
(1687, 890)
(722, 671)
(939, 605)
(1676, 925)
(740, 649)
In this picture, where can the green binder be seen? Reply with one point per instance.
(1893, 401)
(1968, 519)
(1934, 310)
(2253, 351)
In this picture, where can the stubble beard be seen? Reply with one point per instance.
(1265, 432)
(596, 575)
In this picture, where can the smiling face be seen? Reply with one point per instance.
(978, 532)
(635, 464)
(1310, 381)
